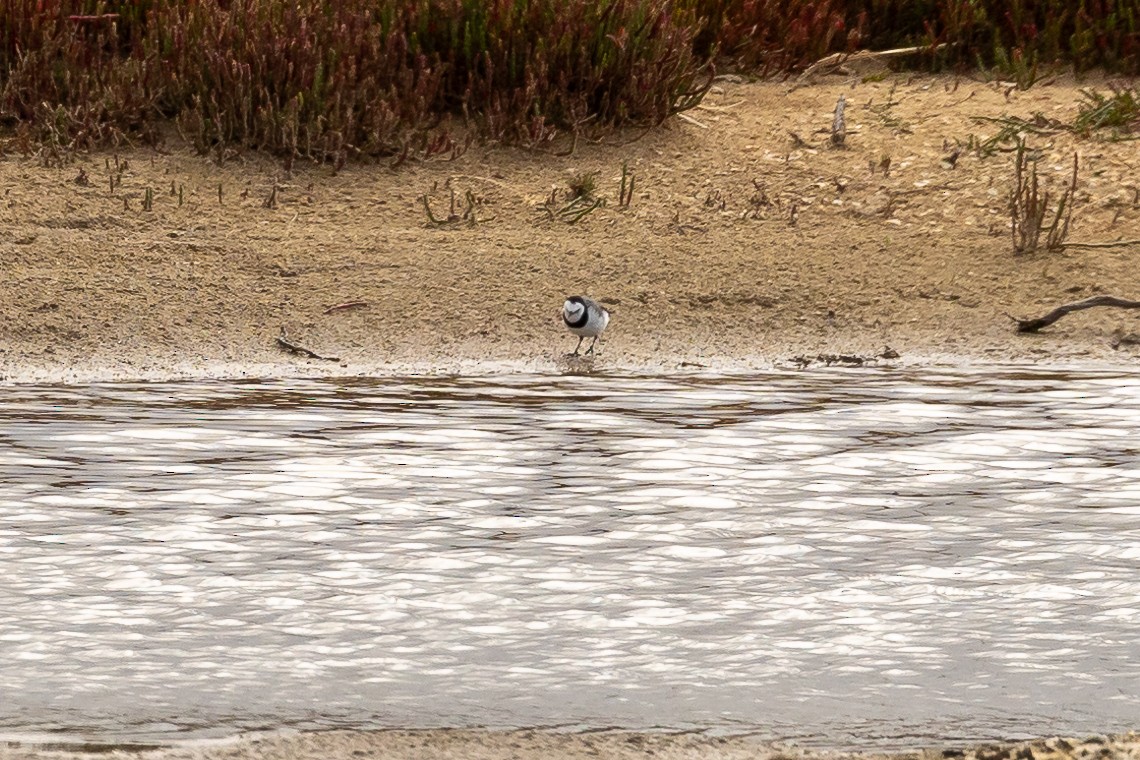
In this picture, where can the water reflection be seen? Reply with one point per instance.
(842, 557)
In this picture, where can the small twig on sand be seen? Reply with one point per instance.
(346, 305)
(692, 121)
(1033, 325)
(725, 107)
(1113, 244)
(284, 342)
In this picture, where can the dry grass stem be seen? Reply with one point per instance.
(1029, 207)
(839, 123)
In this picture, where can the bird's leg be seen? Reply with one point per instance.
(580, 339)
(590, 350)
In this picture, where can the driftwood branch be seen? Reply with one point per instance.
(1033, 325)
(284, 342)
(839, 61)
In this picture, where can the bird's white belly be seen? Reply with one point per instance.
(593, 327)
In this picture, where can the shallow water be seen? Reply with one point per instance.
(871, 558)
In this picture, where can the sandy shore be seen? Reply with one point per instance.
(743, 247)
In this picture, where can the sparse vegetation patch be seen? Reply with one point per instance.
(1031, 212)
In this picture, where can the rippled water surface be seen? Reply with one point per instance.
(846, 558)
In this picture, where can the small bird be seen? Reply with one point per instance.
(585, 318)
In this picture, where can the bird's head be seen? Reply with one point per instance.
(573, 309)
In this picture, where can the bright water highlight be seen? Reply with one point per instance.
(844, 558)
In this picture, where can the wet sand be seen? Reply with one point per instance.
(448, 744)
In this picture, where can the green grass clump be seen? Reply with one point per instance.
(583, 185)
(1119, 112)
